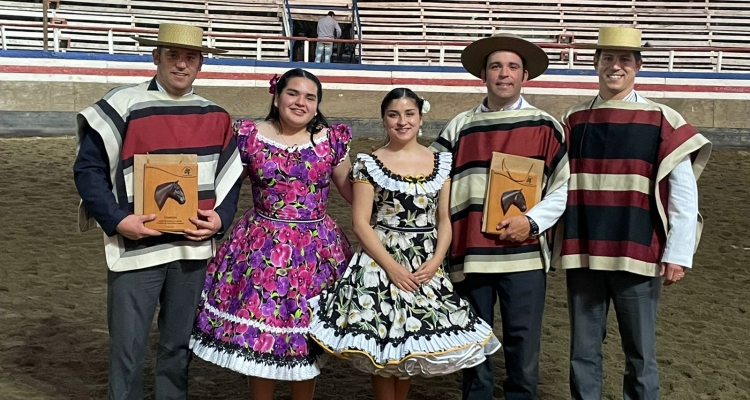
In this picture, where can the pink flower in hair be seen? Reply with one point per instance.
(272, 83)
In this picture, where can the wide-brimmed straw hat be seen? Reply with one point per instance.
(474, 56)
(618, 38)
(179, 35)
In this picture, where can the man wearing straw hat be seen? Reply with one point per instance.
(146, 268)
(510, 267)
(632, 216)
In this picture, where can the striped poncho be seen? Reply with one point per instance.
(472, 137)
(621, 155)
(140, 120)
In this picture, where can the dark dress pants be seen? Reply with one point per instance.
(521, 296)
(132, 299)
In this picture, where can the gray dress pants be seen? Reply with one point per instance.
(132, 300)
(635, 299)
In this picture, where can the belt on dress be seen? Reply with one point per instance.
(298, 221)
(425, 229)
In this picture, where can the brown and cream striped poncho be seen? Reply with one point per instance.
(472, 137)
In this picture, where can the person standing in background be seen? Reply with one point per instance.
(328, 28)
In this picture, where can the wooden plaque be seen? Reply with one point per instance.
(168, 188)
(514, 186)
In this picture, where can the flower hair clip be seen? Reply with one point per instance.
(425, 106)
(425, 110)
(272, 83)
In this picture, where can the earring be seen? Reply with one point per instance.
(419, 133)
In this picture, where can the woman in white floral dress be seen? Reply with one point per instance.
(393, 313)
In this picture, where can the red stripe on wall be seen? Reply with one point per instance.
(19, 69)
(367, 80)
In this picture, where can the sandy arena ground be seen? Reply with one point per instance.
(53, 340)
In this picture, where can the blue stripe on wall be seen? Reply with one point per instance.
(349, 67)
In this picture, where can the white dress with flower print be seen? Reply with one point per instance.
(381, 329)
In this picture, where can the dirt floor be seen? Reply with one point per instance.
(53, 333)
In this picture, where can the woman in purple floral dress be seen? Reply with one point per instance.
(254, 315)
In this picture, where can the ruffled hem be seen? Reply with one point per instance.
(439, 354)
(430, 365)
(432, 184)
(247, 366)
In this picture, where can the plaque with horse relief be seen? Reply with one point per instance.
(169, 189)
(514, 185)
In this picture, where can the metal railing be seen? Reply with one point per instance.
(714, 56)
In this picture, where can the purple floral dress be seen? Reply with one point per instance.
(254, 315)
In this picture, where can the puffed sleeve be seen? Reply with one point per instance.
(247, 143)
(341, 138)
(359, 171)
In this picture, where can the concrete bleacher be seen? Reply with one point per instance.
(20, 12)
(448, 25)
(216, 17)
(307, 10)
(670, 24)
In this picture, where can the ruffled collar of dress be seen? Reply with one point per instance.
(283, 146)
(419, 185)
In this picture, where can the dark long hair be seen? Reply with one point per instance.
(396, 94)
(318, 121)
(399, 93)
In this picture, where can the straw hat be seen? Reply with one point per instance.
(474, 56)
(179, 35)
(618, 38)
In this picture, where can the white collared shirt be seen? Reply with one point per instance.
(519, 104)
(161, 89)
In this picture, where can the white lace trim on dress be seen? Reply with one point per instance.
(438, 354)
(346, 154)
(249, 322)
(432, 185)
(252, 367)
(427, 366)
(305, 145)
